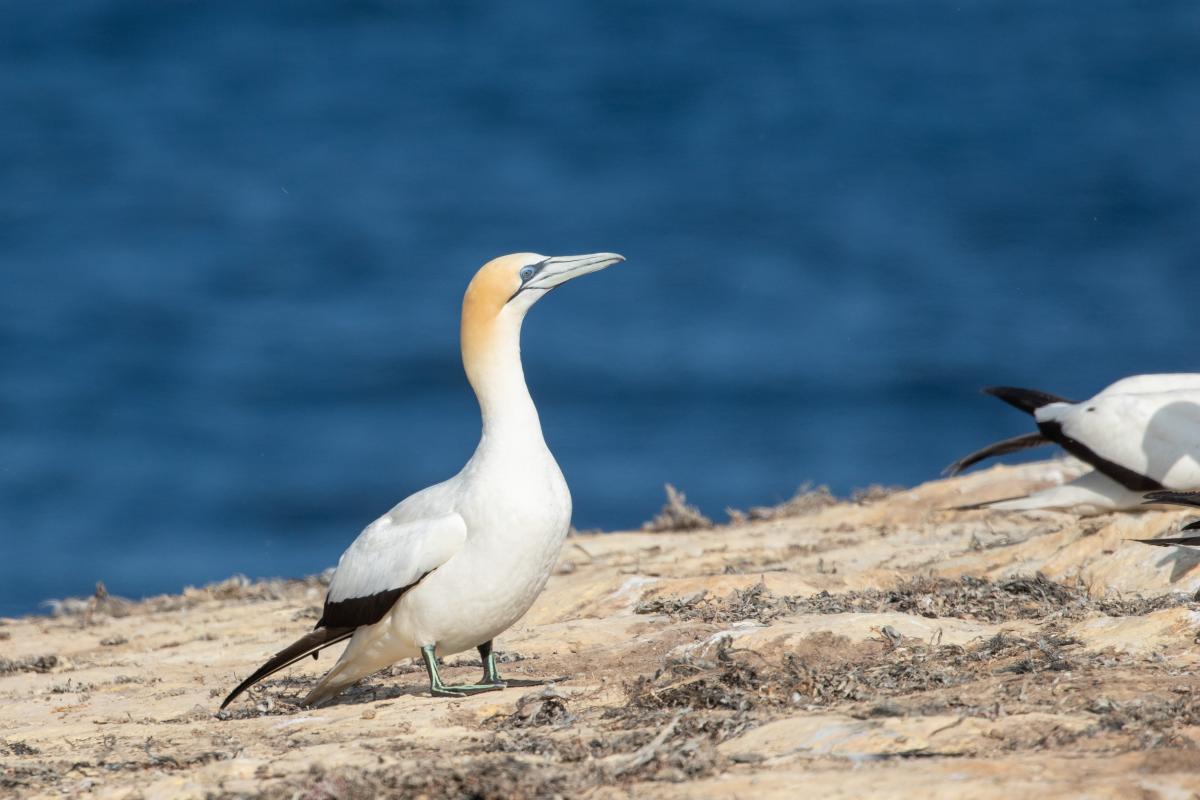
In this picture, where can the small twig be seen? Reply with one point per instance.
(646, 754)
(954, 724)
(156, 759)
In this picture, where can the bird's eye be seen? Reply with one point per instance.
(527, 273)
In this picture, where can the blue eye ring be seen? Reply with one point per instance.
(527, 273)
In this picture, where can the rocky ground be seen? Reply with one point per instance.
(885, 646)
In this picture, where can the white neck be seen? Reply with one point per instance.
(494, 371)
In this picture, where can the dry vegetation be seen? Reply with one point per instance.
(677, 515)
(878, 647)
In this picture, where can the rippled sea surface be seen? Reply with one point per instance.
(234, 240)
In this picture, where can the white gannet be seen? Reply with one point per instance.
(456, 564)
(1140, 434)
(1178, 499)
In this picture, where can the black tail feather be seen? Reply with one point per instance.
(1194, 541)
(1173, 498)
(309, 644)
(1027, 400)
(1013, 445)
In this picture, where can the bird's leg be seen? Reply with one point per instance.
(491, 676)
(439, 689)
(436, 687)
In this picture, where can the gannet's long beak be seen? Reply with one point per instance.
(560, 269)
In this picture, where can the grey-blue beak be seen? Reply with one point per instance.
(560, 269)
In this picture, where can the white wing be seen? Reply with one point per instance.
(1154, 383)
(1090, 493)
(386, 559)
(1155, 435)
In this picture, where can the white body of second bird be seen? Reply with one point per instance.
(1140, 434)
(456, 564)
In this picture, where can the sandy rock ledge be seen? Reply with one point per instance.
(888, 647)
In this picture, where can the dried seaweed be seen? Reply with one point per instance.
(1021, 597)
(677, 515)
(537, 709)
(826, 669)
(17, 747)
(670, 755)
(28, 664)
(238, 587)
(754, 603)
(808, 499)
(1152, 721)
(873, 493)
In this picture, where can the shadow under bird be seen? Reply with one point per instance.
(1141, 434)
(456, 564)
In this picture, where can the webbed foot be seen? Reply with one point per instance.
(465, 689)
(491, 680)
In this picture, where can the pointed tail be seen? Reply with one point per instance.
(1013, 445)
(310, 644)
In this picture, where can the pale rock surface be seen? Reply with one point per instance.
(682, 678)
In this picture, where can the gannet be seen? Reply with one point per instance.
(1140, 434)
(456, 564)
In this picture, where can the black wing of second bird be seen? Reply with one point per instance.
(1179, 499)
(1013, 445)
(1027, 400)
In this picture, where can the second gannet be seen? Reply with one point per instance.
(456, 564)
(1140, 434)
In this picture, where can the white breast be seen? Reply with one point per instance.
(517, 510)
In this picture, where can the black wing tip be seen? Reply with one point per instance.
(1172, 497)
(246, 684)
(955, 469)
(1027, 400)
(984, 505)
(1002, 448)
(338, 621)
(233, 695)
(260, 673)
(964, 463)
(1171, 541)
(309, 644)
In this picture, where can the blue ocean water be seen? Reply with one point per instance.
(234, 238)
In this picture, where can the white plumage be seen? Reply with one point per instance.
(395, 551)
(456, 564)
(1140, 434)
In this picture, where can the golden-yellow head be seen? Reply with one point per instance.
(509, 285)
